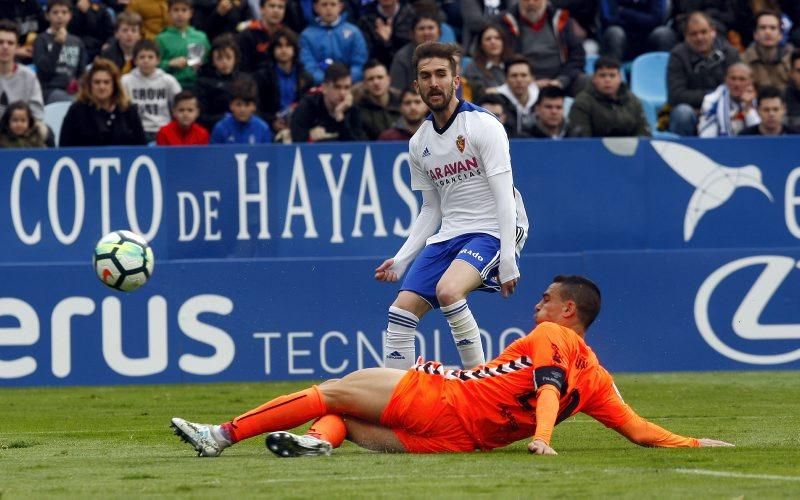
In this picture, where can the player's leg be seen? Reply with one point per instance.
(404, 315)
(458, 281)
(328, 432)
(372, 436)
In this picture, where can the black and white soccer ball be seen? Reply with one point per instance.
(123, 260)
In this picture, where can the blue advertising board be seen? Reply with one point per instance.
(264, 257)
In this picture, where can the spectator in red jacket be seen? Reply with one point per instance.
(183, 130)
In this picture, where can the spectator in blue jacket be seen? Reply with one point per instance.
(241, 126)
(331, 38)
(632, 27)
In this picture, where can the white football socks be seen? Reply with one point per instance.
(465, 333)
(398, 350)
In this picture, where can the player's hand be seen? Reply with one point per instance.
(384, 272)
(508, 287)
(713, 443)
(539, 447)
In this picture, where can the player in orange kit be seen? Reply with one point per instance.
(535, 383)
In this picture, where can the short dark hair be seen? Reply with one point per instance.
(184, 95)
(700, 14)
(495, 99)
(244, 89)
(550, 92)
(584, 293)
(425, 11)
(769, 92)
(408, 90)
(336, 72)
(766, 12)
(172, 3)
(262, 2)
(223, 42)
(607, 62)
(5, 121)
(129, 18)
(53, 3)
(373, 63)
(288, 35)
(147, 45)
(519, 60)
(427, 50)
(9, 26)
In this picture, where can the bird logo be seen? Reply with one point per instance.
(714, 184)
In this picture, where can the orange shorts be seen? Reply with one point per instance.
(421, 418)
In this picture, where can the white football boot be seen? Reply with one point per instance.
(286, 444)
(200, 436)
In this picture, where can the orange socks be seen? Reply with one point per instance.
(282, 413)
(329, 428)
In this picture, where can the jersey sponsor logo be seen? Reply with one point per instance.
(746, 320)
(457, 170)
(714, 183)
(461, 143)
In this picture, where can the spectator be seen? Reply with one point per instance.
(547, 36)
(183, 48)
(732, 106)
(155, 16)
(632, 27)
(770, 61)
(378, 103)
(17, 82)
(412, 113)
(771, 111)
(330, 39)
(183, 129)
(92, 23)
(120, 50)
(487, 69)
(214, 88)
(217, 17)
(607, 108)
(59, 56)
(255, 39)
(550, 120)
(792, 95)
(496, 104)
(695, 68)
(426, 28)
(717, 12)
(102, 114)
(475, 14)
(29, 18)
(150, 88)
(19, 129)
(282, 82)
(329, 115)
(386, 25)
(241, 126)
(521, 93)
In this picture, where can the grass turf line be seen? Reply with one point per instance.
(115, 442)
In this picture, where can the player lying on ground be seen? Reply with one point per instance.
(535, 383)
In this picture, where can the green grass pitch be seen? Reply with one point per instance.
(103, 442)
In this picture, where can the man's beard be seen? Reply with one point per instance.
(447, 96)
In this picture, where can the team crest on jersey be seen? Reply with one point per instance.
(461, 143)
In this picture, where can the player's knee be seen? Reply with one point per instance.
(334, 393)
(448, 294)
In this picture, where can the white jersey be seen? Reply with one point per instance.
(457, 161)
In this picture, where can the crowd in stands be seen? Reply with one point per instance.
(186, 72)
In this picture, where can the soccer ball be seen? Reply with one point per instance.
(123, 260)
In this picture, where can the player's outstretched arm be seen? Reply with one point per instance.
(425, 226)
(644, 433)
(546, 413)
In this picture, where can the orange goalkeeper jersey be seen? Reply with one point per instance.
(497, 401)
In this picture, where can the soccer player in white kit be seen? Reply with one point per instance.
(461, 162)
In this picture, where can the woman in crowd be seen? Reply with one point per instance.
(487, 69)
(102, 115)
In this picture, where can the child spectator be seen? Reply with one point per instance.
(256, 38)
(17, 82)
(102, 114)
(183, 48)
(120, 50)
(92, 23)
(241, 126)
(28, 17)
(150, 88)
(217, 17)
(183, 129)
(155, 16)
(330, 39)
(283, 82)
(59, 56)
(213, 86)
(19, 129)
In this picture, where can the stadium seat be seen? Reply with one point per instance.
(54, 116)
(568, 105)
(649, 81)
(588, 66)
(465, 61)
